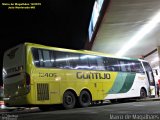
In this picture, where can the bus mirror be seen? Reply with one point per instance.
(156, 72)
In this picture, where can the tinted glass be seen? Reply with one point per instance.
(100, 63)
(47, 58)
(93, 62)
(112, 64)
(38, 58)
(147, 66)
(83, 62)
(60, 59)
(125, 65)
(73, 59)
(136, 66)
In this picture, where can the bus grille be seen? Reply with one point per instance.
(42, 91)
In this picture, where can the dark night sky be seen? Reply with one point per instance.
(60, 23)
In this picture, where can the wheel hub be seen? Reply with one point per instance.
(68, 100)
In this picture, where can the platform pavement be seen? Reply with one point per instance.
(150, 99)
(5, 109)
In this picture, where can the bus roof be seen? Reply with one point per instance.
(77, 51)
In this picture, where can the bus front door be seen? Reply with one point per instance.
(150, 78)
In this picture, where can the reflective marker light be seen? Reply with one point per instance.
(148, 27)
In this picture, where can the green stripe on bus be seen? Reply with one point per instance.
(128, 83)
(118, 84)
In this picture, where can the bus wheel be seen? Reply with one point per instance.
(84, 99)
(69, 100)
(143, 93)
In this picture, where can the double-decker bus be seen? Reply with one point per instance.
(38, 75)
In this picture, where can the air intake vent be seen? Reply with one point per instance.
(42, 91)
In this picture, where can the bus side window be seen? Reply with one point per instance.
(60, 59)
(93, 62)
(40, 58)
(133, 66)
(122, 64)
(52, 55)
(100, 63)
(138, 67)
(47, 58)
(125, 66)
(83, 62)
(113, 64)
(73, 59)
(128, 65)
(107, 64)
(36, 57)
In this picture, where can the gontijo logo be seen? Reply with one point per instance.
(91, 75)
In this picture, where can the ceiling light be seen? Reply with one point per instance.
(145, 29)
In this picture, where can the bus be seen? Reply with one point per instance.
(39, 75)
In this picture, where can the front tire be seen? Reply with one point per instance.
(84, 99)
(143, 94)
(69, 100)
